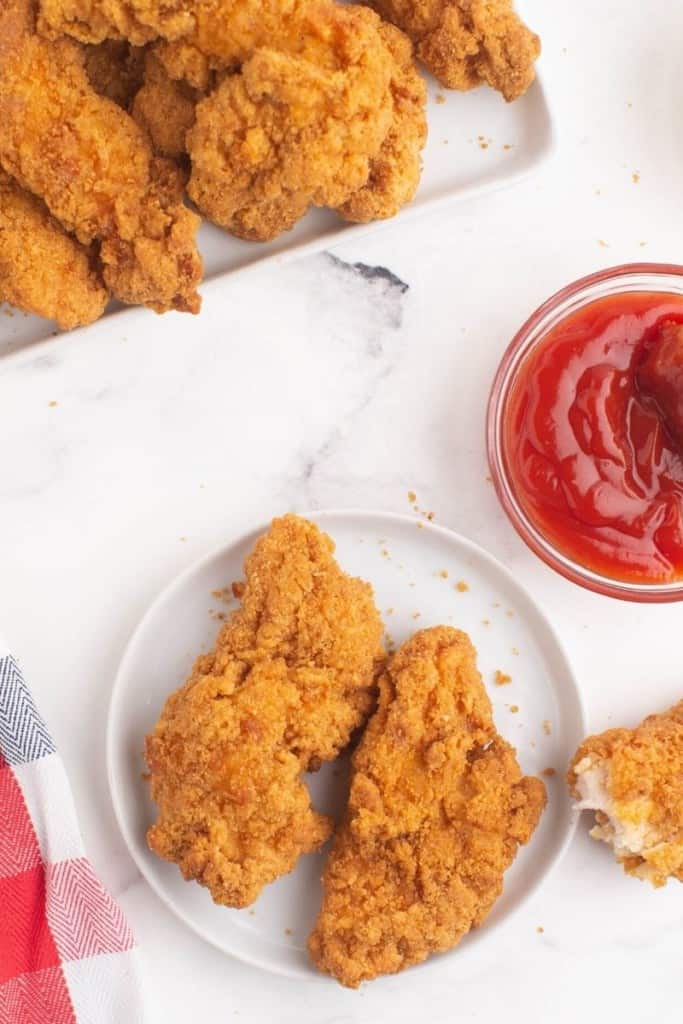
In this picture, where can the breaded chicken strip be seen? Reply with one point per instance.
(93, 167)
(164, 108)
(437, 809)
(115, 70)
(467, 42)
(395, 171)
(287, 132)
(44, 270)
(633, 780)
(292, 675)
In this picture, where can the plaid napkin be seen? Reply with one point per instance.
(67, 955)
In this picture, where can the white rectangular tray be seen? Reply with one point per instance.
(477, 142)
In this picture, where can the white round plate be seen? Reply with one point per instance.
(415, 568)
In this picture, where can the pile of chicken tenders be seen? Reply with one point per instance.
(113, 113)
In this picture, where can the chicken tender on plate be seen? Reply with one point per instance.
(465, 43)
(44, 270)
(291, 677)
(437, 810)
(288, 132)
(93, 167)
(633, 780)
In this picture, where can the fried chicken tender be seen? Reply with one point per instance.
(286, 133)
(44, 270)
(93, 167)
(115, 70)
(633, 780)
(467, 42)
(165, 109)
(291, 677)
(395, 171)
(437, 809)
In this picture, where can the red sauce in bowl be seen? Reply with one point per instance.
(593, 436)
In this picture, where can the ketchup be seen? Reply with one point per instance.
(594, 436)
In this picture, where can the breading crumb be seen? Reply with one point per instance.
(514, 708)
(501, 678)
(412, 497)
(549, 772)
(237, 588)
(462, 587)
(546, 727)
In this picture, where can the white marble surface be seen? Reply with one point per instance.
(316, 386)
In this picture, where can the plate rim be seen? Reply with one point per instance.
(196, 566)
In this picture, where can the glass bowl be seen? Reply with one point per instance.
(633, 277)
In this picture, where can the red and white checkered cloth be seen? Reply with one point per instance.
(67, 955)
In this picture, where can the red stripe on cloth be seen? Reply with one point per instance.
(19, 849)
(83, 917)
(26, 943)
(38, 998)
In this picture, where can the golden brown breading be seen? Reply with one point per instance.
(286, 132)
(44, 270)
(139, 21)
(437, 809)
(633, 779)
(291, 676)
(395, 171)
(467, 42)
(115, 70)
(93, 167)
(164, 108)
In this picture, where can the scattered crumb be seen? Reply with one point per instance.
(252, 913)
(224, 594)
(385, 553)
(635, 177)
(483, 142)
(219, 616)
(489, 478)
(429, 516)
(412, 497)
(462, 587)
(440, 98)
(416, 615)
(510, 614)
(288, 931)
(549, 772)
(183, 539)
(445, 142)
(641, 244)
(501, 678)
(540, 929)
(420, 526)
(443, 574)
(514, 708)
(486, 622)
(546, 727)
(515, 651)
(390, 611)
(603, 244)
(237, 588)
(52, 404)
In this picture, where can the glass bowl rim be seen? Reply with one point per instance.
(646, 593)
